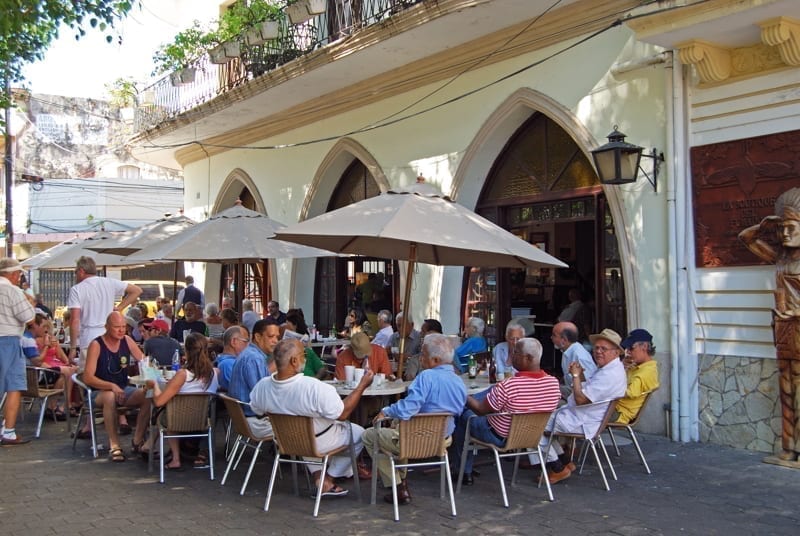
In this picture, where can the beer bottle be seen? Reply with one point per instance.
(492, 371)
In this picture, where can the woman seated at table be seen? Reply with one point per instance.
(356, 323)
(60, 371)
(197, 375)
(473, 341)
(213, 320)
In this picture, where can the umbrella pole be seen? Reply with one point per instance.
(412, 259)
(174, 293)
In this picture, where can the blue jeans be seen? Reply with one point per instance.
(478, 428)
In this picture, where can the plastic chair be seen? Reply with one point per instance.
(187, 415)
(421, 437)
(629, 427)
(525, 433)
(244, 440)
(35, 392)
(592, 441)
(294, 440)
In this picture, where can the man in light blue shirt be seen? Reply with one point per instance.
(565, 338)
(253, 364)
(437, 389)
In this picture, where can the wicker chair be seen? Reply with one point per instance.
(421, 437)
(294, 440)
(244, 440)
(187, 415)
(629, 427)
(42, 393)
(525, 433)
(592, 442)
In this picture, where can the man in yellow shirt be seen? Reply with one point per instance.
(642, 372)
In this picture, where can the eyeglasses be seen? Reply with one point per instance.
(603, 349)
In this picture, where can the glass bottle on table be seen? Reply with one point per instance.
(472, 367)
(492, 371)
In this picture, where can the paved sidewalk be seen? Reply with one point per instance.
(46, 488)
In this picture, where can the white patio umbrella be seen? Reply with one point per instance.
(63, 256)
(129, 242)
(417, 225)
(236, 234)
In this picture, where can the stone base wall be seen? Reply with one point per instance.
(739, 405)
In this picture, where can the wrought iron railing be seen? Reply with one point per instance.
(203, 80)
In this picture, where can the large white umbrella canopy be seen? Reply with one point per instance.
(441, 231)
(236, 234)
(417, 225)
(64, 256)
(129, 242)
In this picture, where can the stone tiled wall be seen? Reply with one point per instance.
(738, 403)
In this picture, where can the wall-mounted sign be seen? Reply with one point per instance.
(735, 185)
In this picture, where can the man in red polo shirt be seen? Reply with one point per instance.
(530, 389)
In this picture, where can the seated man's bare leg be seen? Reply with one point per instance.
(106, 400)
(139, 400)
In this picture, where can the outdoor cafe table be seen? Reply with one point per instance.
(477, 384)
(324, 343)
(386, 390)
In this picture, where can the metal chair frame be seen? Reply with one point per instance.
(629, 427)
(295, 439)
(592, 441)
(421, 437)
(525, 434)
(244, 440)
(186, 415)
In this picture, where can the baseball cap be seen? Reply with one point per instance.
(158, 324)
(637, 335)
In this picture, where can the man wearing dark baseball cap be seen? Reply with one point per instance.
(642, 373)
(158, 344)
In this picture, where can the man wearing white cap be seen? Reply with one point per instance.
(607, 383)
(15, 311)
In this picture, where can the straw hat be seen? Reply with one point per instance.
(360, 345)
(8, 265)
(610, 335)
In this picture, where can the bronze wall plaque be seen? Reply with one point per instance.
(735, 185)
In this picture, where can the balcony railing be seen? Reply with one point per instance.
(172, 95)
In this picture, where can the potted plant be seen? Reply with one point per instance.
(224, 52)
(187, 46)
(302, 10)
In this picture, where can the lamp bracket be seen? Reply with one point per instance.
(657, 159)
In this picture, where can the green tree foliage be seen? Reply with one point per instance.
(28, 27)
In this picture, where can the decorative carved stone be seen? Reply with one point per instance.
(783, 33)
(713, 63)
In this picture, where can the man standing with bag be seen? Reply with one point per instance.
(15, 311)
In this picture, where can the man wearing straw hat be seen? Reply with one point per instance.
(608, 382)
(16, 310)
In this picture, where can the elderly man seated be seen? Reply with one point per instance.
(385, 331)
(504, 351)
(108, 359)
(607, 383)
(565, 338)
(363, 354)
(288, 391)
(642, 372)
(435, 390)
(191, 322)
(531, 389)
(473, 341)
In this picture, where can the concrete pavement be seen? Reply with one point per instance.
(46, 488)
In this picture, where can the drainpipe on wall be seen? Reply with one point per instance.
(672, 246)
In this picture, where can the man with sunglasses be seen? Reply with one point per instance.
(158, 344)
(642, 371)
(608, 382)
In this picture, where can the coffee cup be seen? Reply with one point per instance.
(380, 379)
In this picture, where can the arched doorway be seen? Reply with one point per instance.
(243, 280)
(543, 188)
(338, 279)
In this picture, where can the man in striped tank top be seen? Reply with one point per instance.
(530, 389)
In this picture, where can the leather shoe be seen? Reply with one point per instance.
(403, 494)
(555, 477)
(571, 466)
(16, 441)
(467, 480)
(364, 472)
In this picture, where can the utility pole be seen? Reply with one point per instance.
(9, 168)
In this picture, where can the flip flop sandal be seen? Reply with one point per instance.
(334, 491)
(117, 455)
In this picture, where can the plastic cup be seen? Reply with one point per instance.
(357, 375)
(349, 373)
(380, 379)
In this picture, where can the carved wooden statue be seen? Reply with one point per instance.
(785, 225)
